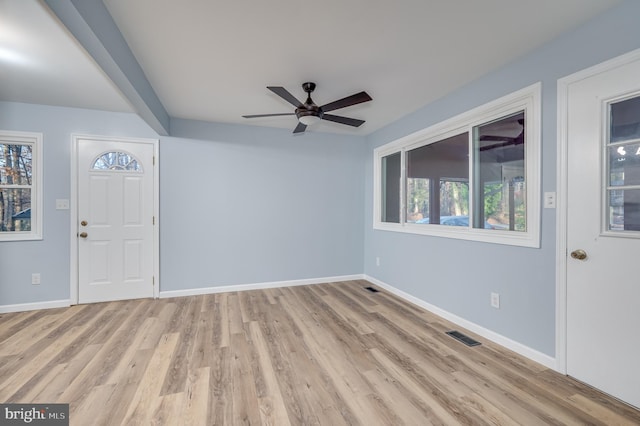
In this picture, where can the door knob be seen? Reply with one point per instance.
(579, 254)
(84, 235)
(83, 223)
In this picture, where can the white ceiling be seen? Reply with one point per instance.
(41, 63)
(211, 60)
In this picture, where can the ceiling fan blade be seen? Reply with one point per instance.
(358, 98)
(343, 120)
(300, 128)
(284, 94)
(268, 115)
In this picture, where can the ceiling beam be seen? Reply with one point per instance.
(91, 24)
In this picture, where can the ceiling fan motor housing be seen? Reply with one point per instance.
(308, 87)
(309, 107)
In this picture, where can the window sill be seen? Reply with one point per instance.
(493, 236)
(20, 237)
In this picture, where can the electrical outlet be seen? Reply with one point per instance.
(377, 261)
(35, 279)
(495, 300)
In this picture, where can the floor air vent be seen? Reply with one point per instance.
(372, 289)
(464, 339)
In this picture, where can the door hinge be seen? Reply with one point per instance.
(153, 280)
(153, 220)
(154, 160)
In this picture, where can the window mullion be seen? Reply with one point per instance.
(15, 186)
(473, 215)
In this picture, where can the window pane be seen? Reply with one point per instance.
(15, 210)
(418, 200)
(500, 193)
(624, 210)
(15, 164)
(454, 202)
(444, 163)
(391, 188)
(625, 120)
(624, 164)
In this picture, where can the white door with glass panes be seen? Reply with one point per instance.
(603, 231)
(115, 220)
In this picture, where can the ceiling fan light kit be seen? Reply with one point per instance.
(309, 113)
(309, 120)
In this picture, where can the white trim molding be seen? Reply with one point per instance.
(512, 345)
(257, 286)
(561, 196)
(23, 307)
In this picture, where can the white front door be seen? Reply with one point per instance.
(115, 219)
(603, 231)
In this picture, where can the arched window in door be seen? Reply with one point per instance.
(117, 160)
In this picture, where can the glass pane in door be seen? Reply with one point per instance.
(625, 120)
(623, 161)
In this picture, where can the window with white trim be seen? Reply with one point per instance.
(20, 186)
(475, 176)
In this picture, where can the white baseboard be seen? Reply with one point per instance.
(21, 307)
(512, 345)
(256, 286)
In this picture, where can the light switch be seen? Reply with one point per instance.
(549, 200)
(62, 204)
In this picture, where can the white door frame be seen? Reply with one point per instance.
(561, 196)
(73, 205)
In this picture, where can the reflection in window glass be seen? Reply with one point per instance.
(418, 200)
(625, 120)
(623, 160)
(15, 164)
(624, 164)
(500, 195)
(391, 169)
(624, 210)
(454, 202)
(444, 163)
(15, 210)
(116, 161)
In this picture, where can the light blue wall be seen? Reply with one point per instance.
(458, 276)
(50, 256)
(239, 204)
(244, 204)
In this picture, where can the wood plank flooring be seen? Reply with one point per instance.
(328, 354)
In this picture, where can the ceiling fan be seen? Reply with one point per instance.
(309, 113)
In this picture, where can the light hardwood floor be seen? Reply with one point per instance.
(326, 354)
